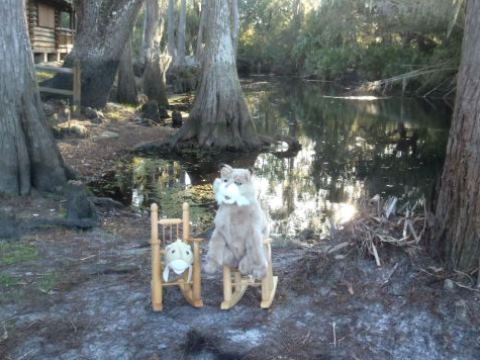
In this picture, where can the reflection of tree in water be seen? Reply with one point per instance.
(115, 184)
(365, 140)
(349, 148)
(169, 183)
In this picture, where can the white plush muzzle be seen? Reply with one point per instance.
(228, 194)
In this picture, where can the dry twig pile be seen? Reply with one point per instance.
(383, 222)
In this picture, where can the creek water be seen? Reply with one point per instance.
(353, 147)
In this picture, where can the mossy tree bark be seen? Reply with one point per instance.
(457, 231)
(219, 117)
(156, 63)
(103, 28)
(29, 155)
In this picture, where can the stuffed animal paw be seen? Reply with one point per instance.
(210, 266)
(258, 271)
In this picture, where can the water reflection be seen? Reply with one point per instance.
(351, 147)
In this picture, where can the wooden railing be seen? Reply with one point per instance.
(75, 93)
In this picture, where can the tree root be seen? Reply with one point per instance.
(180, 148)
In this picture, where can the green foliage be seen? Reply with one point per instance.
(192, 23)
(48, 282)
(376, 61)
(382, 61)
(351, 40)
(13, 253)
(269, 31)
(331, 63)
(7, 280)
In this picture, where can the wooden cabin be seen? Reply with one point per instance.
(51, 26)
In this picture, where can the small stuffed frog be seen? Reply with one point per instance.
(178, 257)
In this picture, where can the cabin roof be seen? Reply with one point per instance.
(62, 5)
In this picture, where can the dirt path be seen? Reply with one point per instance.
(85, 295)
(104, 143)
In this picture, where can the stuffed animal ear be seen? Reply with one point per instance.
(166, 272)
(245, 174)
(226, 170)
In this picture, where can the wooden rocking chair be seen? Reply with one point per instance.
(191, 289)
(235, 285)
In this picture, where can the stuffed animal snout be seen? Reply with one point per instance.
(228, 193)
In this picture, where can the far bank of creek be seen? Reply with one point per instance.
(353, 147)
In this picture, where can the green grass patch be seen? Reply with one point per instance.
(44, 75)
(48, 282)
(120, 112)
(7, 280)
(14, 253)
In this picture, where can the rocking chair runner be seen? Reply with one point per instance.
(235, 285)
(191, 289)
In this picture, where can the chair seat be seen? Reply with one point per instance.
(235, 284)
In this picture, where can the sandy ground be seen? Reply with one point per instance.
(69, 294)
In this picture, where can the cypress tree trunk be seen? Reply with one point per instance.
(201, 26)
(143, 55)
(127, 90)
(457, 232)
(219, 117)
(235, 24)
(29, 155)
(171, 29)
(103, 28)
(156, 63)
(182, 26)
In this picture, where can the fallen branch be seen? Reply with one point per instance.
(334, 330)
(383, 85)
(338, 247)
(390, 275)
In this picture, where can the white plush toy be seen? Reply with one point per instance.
(178, 257)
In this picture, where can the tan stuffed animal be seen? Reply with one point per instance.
(240, 225)
(178, 257)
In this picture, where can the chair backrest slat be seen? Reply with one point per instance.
(174, 228)
(166, 222)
